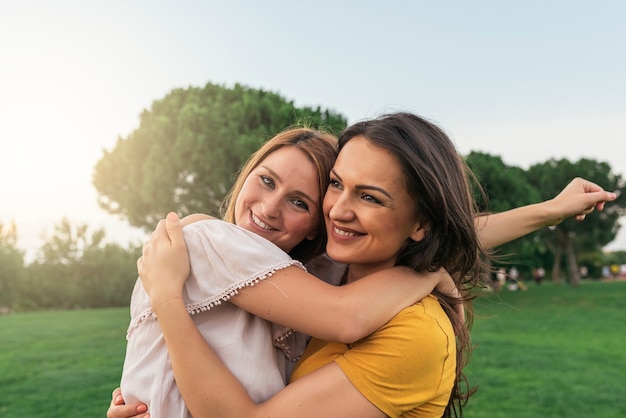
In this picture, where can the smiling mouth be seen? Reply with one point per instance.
(343, 233)
(260, 223)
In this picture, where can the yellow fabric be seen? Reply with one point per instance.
(406, 368)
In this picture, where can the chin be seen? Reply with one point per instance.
(339, 257)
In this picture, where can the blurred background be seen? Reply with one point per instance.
(525, 81)
(113, 113)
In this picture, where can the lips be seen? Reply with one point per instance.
(344, 232)
(258, 222)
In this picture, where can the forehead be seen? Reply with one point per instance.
(283, 155)
(368, 163)
(294, 167)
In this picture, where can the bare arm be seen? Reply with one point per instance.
(293, 297)
(579, 198)
(300, 301)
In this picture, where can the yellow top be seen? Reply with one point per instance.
(406, 368)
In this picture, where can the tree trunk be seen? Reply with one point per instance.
(556, 265)
(572, 265)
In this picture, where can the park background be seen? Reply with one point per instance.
(527, 82)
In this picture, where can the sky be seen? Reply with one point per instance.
(526, 81)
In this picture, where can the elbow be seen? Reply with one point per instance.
(353, 328)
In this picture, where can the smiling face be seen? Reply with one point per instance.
(368, 211)
(280, 199)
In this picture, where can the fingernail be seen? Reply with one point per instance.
(142, 408)
(118, 399)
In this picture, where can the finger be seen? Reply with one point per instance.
(127, 411)
(148, 242)
(174, 228)
(139, 264)
(116, 396)
(160, 232)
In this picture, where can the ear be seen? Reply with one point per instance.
(419, 232)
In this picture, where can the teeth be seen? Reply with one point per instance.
(260, 223)
(344, 233)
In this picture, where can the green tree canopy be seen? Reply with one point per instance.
(77, 268)
(189, 146)
(571, 237)
(506, 187)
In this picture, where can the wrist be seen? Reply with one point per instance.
(550, 213)
(162, 304)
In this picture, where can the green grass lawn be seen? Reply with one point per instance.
(552, 351)
(60, 363)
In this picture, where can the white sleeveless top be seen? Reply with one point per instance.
(224, 258)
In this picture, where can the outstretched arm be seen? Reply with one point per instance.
(578, 199)
(300, 301)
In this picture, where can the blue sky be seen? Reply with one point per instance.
(527, 81)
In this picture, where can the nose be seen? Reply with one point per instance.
(340, 206)
(271, 206)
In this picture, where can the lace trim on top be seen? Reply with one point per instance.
(224, 296)
(284, 339)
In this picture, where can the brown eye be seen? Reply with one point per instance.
(370, 198)
(334, 184)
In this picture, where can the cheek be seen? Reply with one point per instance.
(238, 212)
(245, 195)
(301, 226)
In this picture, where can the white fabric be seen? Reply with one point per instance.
(224, 258)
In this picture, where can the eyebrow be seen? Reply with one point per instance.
(364, 186)
(300, 192)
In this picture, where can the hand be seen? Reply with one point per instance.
(118, 409)
(579, 198)
(164, 265)
(447, 286)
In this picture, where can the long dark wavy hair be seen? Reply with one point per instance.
(440, 183)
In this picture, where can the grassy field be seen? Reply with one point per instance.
(552, 351)
(60, 363)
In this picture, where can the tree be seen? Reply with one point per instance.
(107, 275)
(76, 268)
(190, 145)
(12, 268)
(570, 237)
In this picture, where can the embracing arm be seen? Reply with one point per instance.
(293, 297)
(579, 198)
(326, 392)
